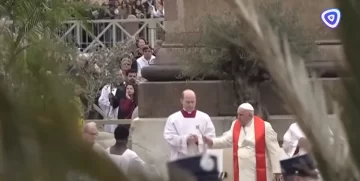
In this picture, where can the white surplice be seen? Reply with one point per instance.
(178, 127)
(105, 106)
(246, 150)
(291, 140)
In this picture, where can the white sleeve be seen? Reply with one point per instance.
(224, 141)
(139, 68)
(157, 13)
(210, 128)
(288, 143)
(136, 168)
(272, 147)
(104, 102)
(171, 135)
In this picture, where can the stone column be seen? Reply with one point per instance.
(182, 21)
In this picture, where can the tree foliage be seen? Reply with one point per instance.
(218, 54)
(40, 136)
(333, 139)
(100, 67)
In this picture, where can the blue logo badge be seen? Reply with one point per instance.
(331, 17)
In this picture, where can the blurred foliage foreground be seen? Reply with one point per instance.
(40, 136)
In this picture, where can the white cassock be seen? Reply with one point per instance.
(247, 168)
(105, 106)
(180, 125)
(291, 140)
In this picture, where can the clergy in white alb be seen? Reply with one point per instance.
(184, 129)
(105, 104)
(291, 141)
(256, 151)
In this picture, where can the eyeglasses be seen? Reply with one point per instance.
(93, 134)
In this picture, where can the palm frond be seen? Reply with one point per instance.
(304, 97)
(349, 29)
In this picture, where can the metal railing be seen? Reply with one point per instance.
(108, 32)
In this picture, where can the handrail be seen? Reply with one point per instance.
(118, 20)
(106, 20)
(110, 121)
(108, 32)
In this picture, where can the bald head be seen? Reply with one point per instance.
(245, 113)
(188, 100)
(88, 126)
(90, 132)
(188, 92)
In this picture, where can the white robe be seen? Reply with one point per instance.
(291, 140)
(246, 151)
(105, 106)
(128, 160)
(178, 128)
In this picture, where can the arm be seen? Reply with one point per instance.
(138, 68)
(171, 135)
(136, 168)
(224, 141)
(210, 129)
(288, 143)
(135, 113)
(273, 148)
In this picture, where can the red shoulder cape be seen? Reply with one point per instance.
(260, 148)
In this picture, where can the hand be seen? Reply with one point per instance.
(304, 143)
(192, 139)
(208, 141)
(127, 95)
(278, 177)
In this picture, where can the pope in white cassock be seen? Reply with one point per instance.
(256, 151)
(184, 129)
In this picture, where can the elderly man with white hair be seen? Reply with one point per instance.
(89, 134)
(255, 147)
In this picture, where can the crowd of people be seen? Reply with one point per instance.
(120, 9)
(119, 100)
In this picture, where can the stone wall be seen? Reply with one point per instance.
(160, 99)
(184, 16)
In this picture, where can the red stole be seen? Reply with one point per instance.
(260, 148)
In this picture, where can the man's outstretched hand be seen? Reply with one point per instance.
(208, 141)
(278, 177)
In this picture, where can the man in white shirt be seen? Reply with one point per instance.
(294, 141)
(184, 129)
(145, 60)
(127, 160)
